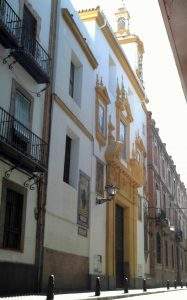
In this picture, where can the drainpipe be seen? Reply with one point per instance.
(47, 119)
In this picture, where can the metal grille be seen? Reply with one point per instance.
(13, 220)
(15, 134)
(10, 19)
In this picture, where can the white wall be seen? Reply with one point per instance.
(22, 77)
(61, 232)
(28, 254)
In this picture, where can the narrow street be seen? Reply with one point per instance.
(171, 295)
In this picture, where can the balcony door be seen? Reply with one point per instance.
(21, 109)
(29, 31)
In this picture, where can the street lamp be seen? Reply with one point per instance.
(111, 191)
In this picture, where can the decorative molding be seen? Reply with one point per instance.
(101, 91)
(132, 38)
(79, 37)
(101, 96)
(123, 106)
(95, 14)
(73, 117)
(140, 145)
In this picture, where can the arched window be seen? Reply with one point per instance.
(158, 248)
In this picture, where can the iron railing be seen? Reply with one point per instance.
(15, 134)
(10, 20)
(33, 48)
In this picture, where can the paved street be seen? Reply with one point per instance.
(151, 294)
(182, 294)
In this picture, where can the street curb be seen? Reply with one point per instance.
(132, 295)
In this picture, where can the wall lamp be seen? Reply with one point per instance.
(111, 191)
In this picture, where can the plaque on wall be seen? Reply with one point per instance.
(83, 200)
(97, 264)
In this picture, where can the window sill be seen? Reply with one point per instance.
(12, 250)
(70, 186)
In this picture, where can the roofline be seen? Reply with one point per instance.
(96, 14)
(79, 37)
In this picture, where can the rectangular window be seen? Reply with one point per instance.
(12, 216)
(75, 78)
(172, 257)
(13, 220)
(22, 109)
(99, 178)
(123, 133)
(21, 105)
(101, 119)
(166, 252)
(67, 159)
(29, 31)
(139, 208)
(71, 81)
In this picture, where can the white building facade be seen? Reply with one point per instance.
(98, 137)
(24, 77)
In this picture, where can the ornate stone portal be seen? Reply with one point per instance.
(127, 176)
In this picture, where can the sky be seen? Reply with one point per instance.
(161, 79)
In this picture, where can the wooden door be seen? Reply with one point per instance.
(119, 245)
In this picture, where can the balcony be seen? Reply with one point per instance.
(33, 58)
(24, 47)
(20, 145)
(10, 26)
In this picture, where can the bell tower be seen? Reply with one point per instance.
(130, 43)
(123, 18)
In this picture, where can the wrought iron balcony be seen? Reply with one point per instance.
(161, 218)
(24, 47)
(10, 26)
(33, 58)
(179, 235)
(17, 143)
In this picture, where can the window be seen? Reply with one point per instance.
(101, 119)
(67, 159)
(166, 253)
(99, 178)
(172, 257)
(71, 81)
(156, 155)
(123, 132)
(21, 109)
(158, 248)
(169, 178)
(102, 100)
(75, 78)
(163, 168)
(164, 202)
(29, 31)
(71, 159)
(21, 105)
(139, 208)
(12, 216)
